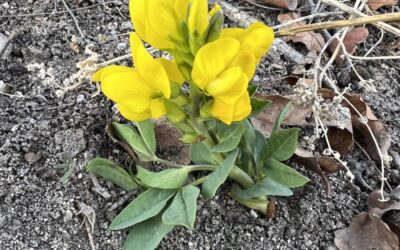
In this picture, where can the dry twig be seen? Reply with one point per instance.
(339, 24)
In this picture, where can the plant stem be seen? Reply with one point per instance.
(198, 181)
(338, 24)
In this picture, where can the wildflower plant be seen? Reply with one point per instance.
(204, 93)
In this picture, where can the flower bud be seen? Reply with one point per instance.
(175, 114)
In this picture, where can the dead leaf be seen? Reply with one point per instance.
(313, 41)
(350, 41)
(389, 209)
(284, 4)
(271, 208)
(366, 231)
(319, 164)
(376, 4)
(379, 228)
(379, 130)
(265, 121)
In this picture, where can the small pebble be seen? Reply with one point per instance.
(121, 46)
(126, 26)
(80, 98)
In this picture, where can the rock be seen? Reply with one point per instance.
(31, 157)
(71, 141)
(126, 26)
(121, 46)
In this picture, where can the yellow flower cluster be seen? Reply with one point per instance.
(218, 62)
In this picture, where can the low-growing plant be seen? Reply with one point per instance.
(204, 92)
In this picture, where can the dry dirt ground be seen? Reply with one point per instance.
(37, 211)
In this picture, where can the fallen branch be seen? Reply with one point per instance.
(339, 24)
(353, 11)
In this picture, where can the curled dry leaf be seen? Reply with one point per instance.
(284, 4)
(380, 131)
(376, 4)
(389, 209)
(313, 41)
(350, 41)
(379, 228)
(366, 231)
(319, 164)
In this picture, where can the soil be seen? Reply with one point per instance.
(37, 211)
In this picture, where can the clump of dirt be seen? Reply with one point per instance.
(38, 211)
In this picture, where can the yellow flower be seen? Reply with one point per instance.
(222, 70)
(157, 21)
(139, 92)
(257, 38)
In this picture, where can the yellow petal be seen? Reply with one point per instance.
(181, 7)
(222, 111)
(172, 70)
(149, 69)
(216, 8)
(137, 13)
(132, 116)
(242, 107)
(198, 16)
(236, 33)
(224, 82)
(212, 59)
(157, 108)
(239, 87)
(246, 60)
(101, 74)
(163, 23)
(126, 88)
(258, 39)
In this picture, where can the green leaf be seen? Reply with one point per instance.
(146, 129)
(228, 137)
(147, 234)
(258, 146)
(263, 188)
(218, 177)
(200, 153)
(249, 135)
(282, 116)
(257, 106)
(129, 135)
(284, 174)
(146, 205)
(182, 210)
(252, 89)
(281, 145)
(167, 179)
(112, 172)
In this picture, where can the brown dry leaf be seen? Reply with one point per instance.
(265, 121)
(350, 41)
(379, 130)
(376, 4)
(366, 231)
(284, 4)
(313, 41)
(168, 139)
(389, 209)
(319, 164)
(379, 228)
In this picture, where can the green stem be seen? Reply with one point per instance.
(198, 181)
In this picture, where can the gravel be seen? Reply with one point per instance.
(37, 211)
